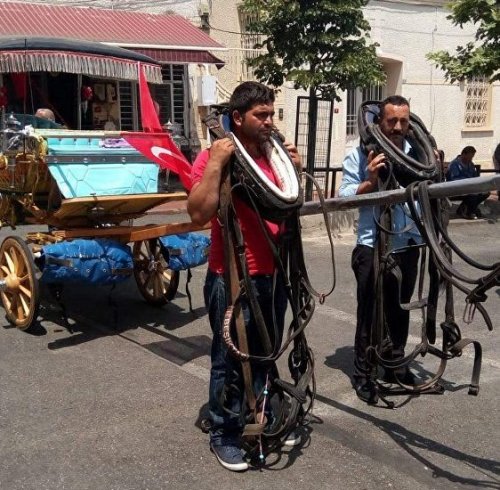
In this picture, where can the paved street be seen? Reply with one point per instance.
(117, 403)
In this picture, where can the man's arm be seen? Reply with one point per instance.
(203, 199)
(454, 172)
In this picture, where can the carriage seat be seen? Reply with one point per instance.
(36, 122)
(82, 166)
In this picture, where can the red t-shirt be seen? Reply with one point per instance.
(258, 253)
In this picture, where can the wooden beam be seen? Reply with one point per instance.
(128, 234)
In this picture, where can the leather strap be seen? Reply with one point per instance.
(233, 290)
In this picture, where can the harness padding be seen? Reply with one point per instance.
(283, 169)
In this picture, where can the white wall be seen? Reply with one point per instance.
(411, 31)
(406, 32)
(186, 8)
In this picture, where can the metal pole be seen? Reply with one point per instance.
(312, 118)
(475, 185)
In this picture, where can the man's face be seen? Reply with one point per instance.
(467, 157)
(256, 123)
(395, 123)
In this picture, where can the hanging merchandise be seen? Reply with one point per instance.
(19, 82)
(86, 95)
(4, 100)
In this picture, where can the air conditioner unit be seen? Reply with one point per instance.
(207, 90)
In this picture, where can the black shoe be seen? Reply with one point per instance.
(366, 391)
(470, 216)
(404, 376)
(461, 211)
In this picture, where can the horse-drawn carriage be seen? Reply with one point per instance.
(83, 185)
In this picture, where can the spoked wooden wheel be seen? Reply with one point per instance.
(156, 282)
(20, 292)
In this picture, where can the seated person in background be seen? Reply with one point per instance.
(496, 162)
(44, 113)
(462, 167)
(43, 119)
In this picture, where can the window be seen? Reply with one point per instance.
(128, 97)
(477, 103)
(248, 41)
(355, 97)
(171, 96)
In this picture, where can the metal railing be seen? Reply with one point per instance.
(330, 193)
(475, 185)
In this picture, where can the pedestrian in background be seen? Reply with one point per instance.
(496, 162)
(462, 167)
(44, 113)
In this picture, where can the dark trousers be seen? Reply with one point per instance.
(397, 319)
(472, 201)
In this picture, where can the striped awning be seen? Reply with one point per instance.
(21, 54)
(180, 56)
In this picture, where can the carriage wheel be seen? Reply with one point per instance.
(21, 295)
(156, 282)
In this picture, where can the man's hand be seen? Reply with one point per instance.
(375, 163)
(221, 151)
(294, 155)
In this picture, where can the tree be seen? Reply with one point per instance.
(476, 59)
(322, 46)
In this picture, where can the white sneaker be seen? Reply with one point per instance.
(292, 439)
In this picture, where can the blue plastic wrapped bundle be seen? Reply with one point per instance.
(86, 261)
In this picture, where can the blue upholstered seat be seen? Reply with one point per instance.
(77, 166)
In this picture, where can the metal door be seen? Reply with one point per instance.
(322, 170)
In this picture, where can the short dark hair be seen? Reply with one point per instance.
(248, 94)
(393, 100)
(467, 150)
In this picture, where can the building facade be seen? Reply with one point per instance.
(456, 114)
(181, 48)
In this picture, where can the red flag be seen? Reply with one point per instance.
(154, 143)
(149, 117)
(160, 148)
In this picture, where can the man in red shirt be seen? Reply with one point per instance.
(251, 110)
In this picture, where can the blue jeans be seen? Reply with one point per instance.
(226, 382)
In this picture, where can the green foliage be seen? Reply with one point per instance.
(476, 59)
(318, 44)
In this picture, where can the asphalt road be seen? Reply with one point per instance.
(116, 404)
